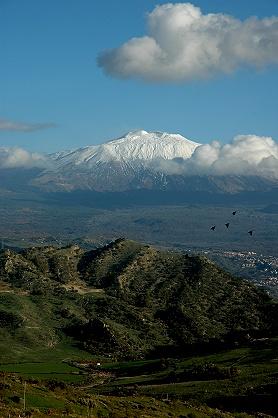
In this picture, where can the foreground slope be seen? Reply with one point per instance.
(125, 299)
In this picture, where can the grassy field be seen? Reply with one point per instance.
(45, 371)
(147, 388)
(255, 376)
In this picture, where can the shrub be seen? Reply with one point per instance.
(10, 320)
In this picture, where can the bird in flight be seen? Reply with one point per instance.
(227, 225)
(250, 232)
(213, 227)
(234, 212)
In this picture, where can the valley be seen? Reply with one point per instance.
(197, 386)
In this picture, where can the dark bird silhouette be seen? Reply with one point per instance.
(227, 225)
(234, 212)
(250, 232)
(213, 227)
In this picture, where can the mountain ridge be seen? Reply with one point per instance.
(126, 298)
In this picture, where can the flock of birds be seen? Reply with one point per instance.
(228, 224)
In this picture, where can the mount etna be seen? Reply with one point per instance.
(144, 160)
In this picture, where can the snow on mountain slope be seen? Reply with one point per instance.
(139, 160)
(135, 146)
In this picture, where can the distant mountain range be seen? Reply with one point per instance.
(139, 160)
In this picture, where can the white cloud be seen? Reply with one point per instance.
(20, 158)
(184, 44)
(245, 155)
(12, 126)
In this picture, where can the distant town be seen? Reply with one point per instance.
(261, 269)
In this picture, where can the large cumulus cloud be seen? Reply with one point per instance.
(245, 155)
(184, 44)
(20, 158)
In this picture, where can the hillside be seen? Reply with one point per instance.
(127, 330)
(125, 299)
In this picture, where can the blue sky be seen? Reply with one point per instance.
(49, 74)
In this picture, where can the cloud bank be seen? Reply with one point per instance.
(246, 155)
(20, 158)
(12, 126)
(183, 44)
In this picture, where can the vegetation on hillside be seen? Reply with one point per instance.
(126, 299)
(160, 324)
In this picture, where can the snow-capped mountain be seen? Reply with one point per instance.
(138, 160)
(121, 164)
(138, 146)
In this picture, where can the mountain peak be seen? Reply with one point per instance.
(137, 133)
(134, 146)
(143, 145)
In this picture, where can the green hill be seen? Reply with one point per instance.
(127, 331)
(126, 299)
